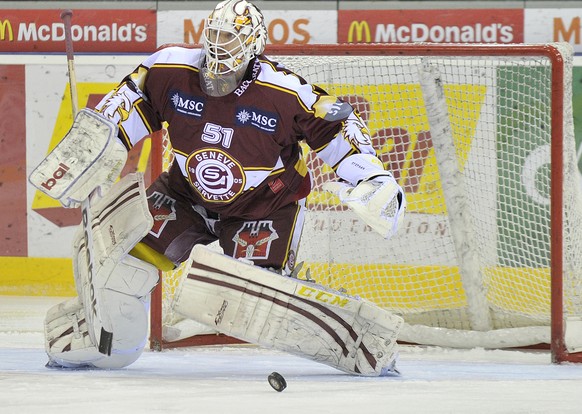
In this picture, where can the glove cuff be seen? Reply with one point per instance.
(361, 167)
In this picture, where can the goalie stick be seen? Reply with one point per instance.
(106, 337)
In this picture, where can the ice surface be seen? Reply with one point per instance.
(234, 380)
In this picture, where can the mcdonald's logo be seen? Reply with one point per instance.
(360, 28)
(6, 26)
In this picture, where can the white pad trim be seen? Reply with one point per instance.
(274, 311)
(89, 156)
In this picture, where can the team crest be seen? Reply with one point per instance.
(218, 177)
(164, 210)
(253, 240)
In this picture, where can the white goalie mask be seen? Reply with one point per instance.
(234, 33)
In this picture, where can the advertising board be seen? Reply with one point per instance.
(436, 26)
(104, 31)
(283, 26)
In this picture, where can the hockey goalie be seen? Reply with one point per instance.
(235, 119)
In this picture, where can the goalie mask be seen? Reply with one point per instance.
(234, 34)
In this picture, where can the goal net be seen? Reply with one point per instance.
(481, 139)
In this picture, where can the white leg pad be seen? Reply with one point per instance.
(113, 288)
(301, 318)
(70, 339)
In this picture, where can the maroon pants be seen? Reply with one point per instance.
(179, 225)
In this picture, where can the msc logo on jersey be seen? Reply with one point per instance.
(187, 105)
(216, 176)
(265, 121)
(253, 240)
(164, 208)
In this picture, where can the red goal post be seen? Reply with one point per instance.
(481, 138)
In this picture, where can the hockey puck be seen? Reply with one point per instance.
(277, 381)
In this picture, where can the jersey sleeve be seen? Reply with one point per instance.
(335, 131)
(130, 107)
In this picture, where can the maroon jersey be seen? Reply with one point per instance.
(238, 155)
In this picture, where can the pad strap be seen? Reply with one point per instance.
(301, 318)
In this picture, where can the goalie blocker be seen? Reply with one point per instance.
(290, 315)
(89, 157)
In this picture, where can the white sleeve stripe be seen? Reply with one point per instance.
(336, 151)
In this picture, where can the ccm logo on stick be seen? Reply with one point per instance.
(57, 175)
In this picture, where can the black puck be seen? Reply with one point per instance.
(277, 381)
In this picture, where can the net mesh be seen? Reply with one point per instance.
(468, 138)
